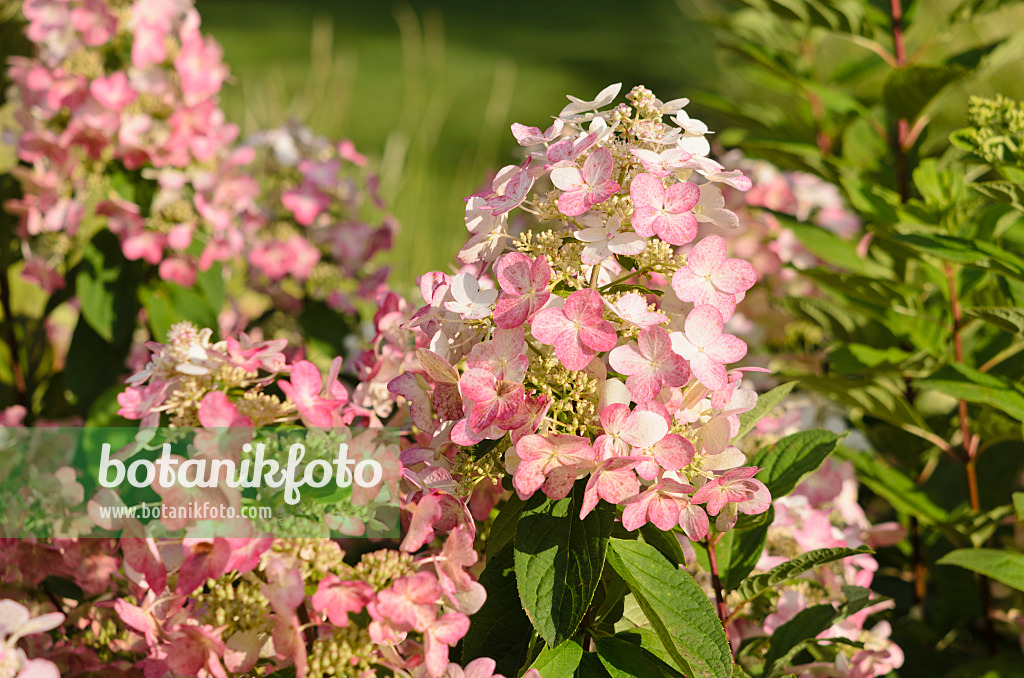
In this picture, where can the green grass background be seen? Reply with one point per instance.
(429, 90)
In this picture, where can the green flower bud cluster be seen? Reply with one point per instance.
(997, 130)
(237, 604)
(345, 653)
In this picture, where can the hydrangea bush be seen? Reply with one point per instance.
(138, 207)
(589, 482)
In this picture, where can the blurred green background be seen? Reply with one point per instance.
(429, 91)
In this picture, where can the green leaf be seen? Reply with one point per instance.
(829, 247)
(91, 356)
(875, 394)
(1006, 192)
(168, 303)
(1008, 319)
(744, 548)
(788, 461)
(971, 253)
(860, 358)
(1018, 505)
(677, 608)
(966, 383)
(909, 89)
(787, 639)
(559, 559)
(766, 402)
(500, 628)
(665, 542)
(1006, 567)
(590, 667)
(623, 659)
(105, 287)
(895, 486)
(503, 530)
(780, 574)
(559, 661)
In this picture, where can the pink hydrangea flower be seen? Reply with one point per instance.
(493, 400)
(613, 480)
(524, 288)
(217, 411)
(664, 212)
(550, 463)
(710, 278)
(504, 355)
(734, 491)
(306, 203)
(510, 188)
(651, 364)
(94, 21)
(530, 136)
(445, 632)
(661, 164)
(585, 189)
(666, 504)
(624, 428)
(604, 239)
(303, 390)
(337, 598)
(113, 91)
(567, 150)
(577, 331)
(706, 348)
(409, 603)
(672, 452)
(456, 555)
(633, 309)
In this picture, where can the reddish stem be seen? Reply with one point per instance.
(716, 582)
(971, 445)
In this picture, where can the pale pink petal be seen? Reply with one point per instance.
(568, 179)
(628, 360)
(708, 372)
(513, 272)
(643, 220)
(734, 276)
(727, 349)
(571, 351)
(477, 385)
(703, 325)
(550, 324)
(694, 522)
(584, 306)
(664, 513)
(573, 204)
(598, 167)
(599, 337)
(644, 429)
(706, 256)
(682, 197)
(677, 229)
(646, 191)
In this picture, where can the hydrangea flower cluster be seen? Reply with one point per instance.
(316, 240)
(121, 127)
(591, 347)
(120, 102)
(217, 606)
